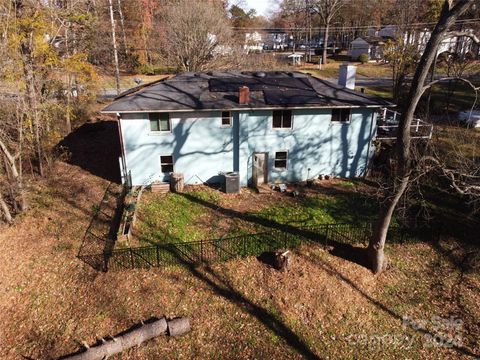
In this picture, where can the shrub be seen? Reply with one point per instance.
(363, 58)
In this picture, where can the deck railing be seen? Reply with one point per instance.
(387, 126)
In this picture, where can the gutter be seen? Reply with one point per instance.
(122, 149)
(249, 109)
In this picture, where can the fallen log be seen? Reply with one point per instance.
(178, 326)
(135, 337)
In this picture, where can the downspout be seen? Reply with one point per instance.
(369, 144)
(122, 149)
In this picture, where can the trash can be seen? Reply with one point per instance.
(232, 182)
(176, 182)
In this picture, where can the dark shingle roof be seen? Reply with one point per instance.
(219, 91)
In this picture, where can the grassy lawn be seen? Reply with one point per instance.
(204, 213)
(381, 91)
(331, 70)
(126, 81)
(444, 97)
(323, 307)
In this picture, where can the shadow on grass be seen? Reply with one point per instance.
(95, 147)
(315, 260)
(221, 287)
(346, 251)
(97, 246)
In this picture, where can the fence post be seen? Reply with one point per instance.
(158, 254)
(201, 251)
(131, 258)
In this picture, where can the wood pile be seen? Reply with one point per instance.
(160, 187)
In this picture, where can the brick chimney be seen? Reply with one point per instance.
(243, 95)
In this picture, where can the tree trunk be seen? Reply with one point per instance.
(376, 246)
(14, 172)
(26, 50)
(136, 337)
(115, 51)
(178, 326)
(448, 16)
(122, 25)
(123, 342)
(325, 43)
(6, 211)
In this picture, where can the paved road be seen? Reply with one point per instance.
(367, 81)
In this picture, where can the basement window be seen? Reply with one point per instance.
(159, 122)
(282, 119)
(280, 161)
(166, 163)
(226, 119)
(341, 115)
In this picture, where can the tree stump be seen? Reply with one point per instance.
(176, 182)
(283, 260)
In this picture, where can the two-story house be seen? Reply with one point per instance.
(268, 126)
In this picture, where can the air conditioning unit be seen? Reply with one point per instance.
(232, 182)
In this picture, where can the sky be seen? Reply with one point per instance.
(263, 7)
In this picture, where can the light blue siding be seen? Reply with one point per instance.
(202, 148)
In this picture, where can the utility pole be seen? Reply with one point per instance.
(115, 51)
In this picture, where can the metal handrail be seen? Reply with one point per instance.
(389, 117)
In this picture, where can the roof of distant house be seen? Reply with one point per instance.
(219, 91)
(372, 40)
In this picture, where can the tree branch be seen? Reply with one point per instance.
(468, 34)
(468, 82)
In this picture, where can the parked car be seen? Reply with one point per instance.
(470, 118)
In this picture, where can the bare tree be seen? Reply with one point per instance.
(451, 10)
(402, 58)
(327, 9)
(115, 50)
(196, 33)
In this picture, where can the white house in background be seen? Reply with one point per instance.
(452, 44)
(253, 42)
(276, 41)
(372, 46)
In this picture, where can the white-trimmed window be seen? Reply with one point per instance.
(280, 161)
(226, 119)
(282, 119)
(341, 115)
(159, 122)
(166, 163)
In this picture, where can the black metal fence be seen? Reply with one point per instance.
(223, 249)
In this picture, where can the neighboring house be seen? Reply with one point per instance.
(372, 46)
(253, 42)
(268, 126)
(276, 41)
(459, 45)
(419, 37)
